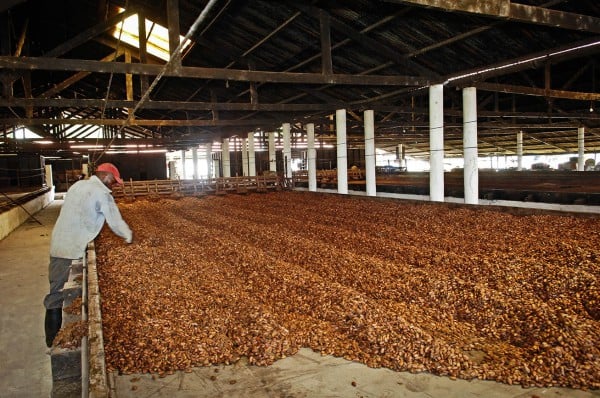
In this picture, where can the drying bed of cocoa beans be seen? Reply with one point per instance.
(467, 293)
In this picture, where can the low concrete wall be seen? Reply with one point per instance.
(507, 204)
(96, 384)
(13, 218)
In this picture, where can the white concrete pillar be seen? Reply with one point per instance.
(244, 156)
(272, 153)
(580, 149)
(312, 157)
(50, 181)
(251, 155)
(436, 143)
(209, 162)
(226, 158)
(520, 151)
(183, 170)
(172, 166)
(342, 153)
(195, 162)
(48, 175)
(369, 120)
(287, 150)
(85, 169)
(217, 165)
(400, 150)
(471, 173)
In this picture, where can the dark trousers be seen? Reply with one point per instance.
(58, 274)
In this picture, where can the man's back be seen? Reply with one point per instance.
(81, 218)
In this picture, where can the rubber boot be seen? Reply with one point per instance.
(52, 324)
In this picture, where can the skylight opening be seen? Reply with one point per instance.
(158, 36)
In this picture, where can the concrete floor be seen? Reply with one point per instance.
(25, 366)
(308, 374)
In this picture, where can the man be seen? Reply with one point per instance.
(88, 203)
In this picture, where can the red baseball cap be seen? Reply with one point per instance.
(111, 168)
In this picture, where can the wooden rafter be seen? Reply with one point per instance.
(505, 9)
(38, 63)
(540, 92)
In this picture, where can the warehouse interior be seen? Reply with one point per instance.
(251, 106)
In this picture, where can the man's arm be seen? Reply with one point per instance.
(113, 218)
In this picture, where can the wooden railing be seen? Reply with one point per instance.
(199, 187)
(328, 176)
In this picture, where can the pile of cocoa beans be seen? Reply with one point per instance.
(458, 291)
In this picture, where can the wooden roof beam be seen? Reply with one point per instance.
(470, 33)
(539, 92)
(530, 61)
(144, 122)
(505, 9)
(58, 103)
(38, 63)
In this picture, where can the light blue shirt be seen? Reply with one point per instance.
(88, 203)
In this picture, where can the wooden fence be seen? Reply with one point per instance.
(215, 186)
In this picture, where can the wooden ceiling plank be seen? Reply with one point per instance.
(247, 52)
(75, 78)
(337, 45)
(367, 42)
(89, 34)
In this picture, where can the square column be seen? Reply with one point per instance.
(400, 154)
(520, 151)
(251, 155)
(48, 176)
(342, 154)
(209, 160)
(471, 173)
(245, 156)
(369, 119)
(272, 153)
(217, 165)
(580, 149)
(436, 143)
(226, 158)
(195, 163)
(50, 181)
(312, 157)
(183, 171)
(287, 150)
